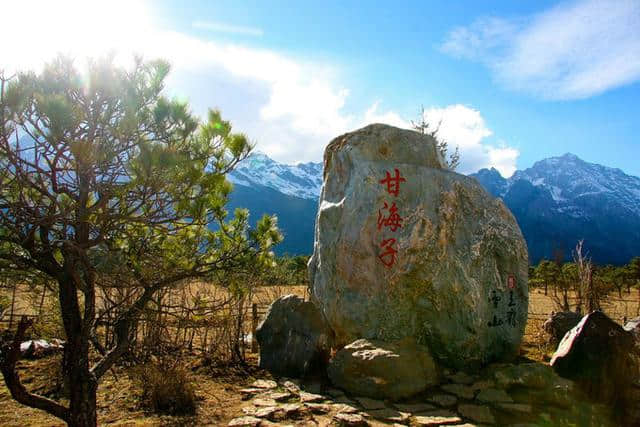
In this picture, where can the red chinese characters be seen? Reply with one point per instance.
(393, 183)
(393, 221)
(388, 257)
(390, 219)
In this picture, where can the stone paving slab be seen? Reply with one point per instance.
(368, 403)
(442, 399)
(436, 420)
(279, 396)
(319, 408)
(414, 408)
(516, 407)
(461, 378)
(390, 415)
(477, 413)
(265, 384)
(248, 393)
(311, 397)
(263, 402)
(493, 395)
(351, 420)
(462, 391)
(245, 422)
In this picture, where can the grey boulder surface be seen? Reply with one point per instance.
(558, 324)
(457, 281)
(598, 354)
(294, 338)
(383, 370)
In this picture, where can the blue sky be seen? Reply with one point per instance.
(510, 82)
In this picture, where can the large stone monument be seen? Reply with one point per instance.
(405, 248)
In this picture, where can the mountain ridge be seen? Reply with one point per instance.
(557, 201)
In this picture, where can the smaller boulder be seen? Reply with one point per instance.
(558, 324)
(294, 338)
(597, 355)
(633, 327)
(383, 370)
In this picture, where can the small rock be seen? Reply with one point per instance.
(250, 410)
(493, 395)
(367, 403)
(248, 393)
(477, 413)
(292, 410)
(344, 408)
(445, 400)
(262, 402)
(279, 396)
(436, 418)
(463, 392)
(267, 412)
(516, 407)
(389, 415)
(244, 422)
(461, 377)
(310, 397)
(319, 408)
(414, 408)
(264, 384)
(291, 387)
(481, 385)
(351, 420)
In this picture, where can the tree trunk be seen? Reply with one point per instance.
(81, 383)
(82, 399)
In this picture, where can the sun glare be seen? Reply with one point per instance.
(34, 31)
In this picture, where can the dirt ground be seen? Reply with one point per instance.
(218, 388)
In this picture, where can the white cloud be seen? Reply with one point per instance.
(291, 107)
(464, 127)
(503, 159)
(372, 115)
(221, 27)
(571, 51)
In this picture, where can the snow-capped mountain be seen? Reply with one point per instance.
(572, 181)
(302, 180)
(561, 200)
(557, 202)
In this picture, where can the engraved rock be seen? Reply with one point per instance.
(406, 248)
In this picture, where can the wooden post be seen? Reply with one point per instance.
(254, 326)
(13, 302)
(44, 291)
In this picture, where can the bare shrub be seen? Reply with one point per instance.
(166, 388)
(587, 292)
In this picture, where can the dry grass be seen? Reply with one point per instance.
(217, 388)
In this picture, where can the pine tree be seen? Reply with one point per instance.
(106, 182)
